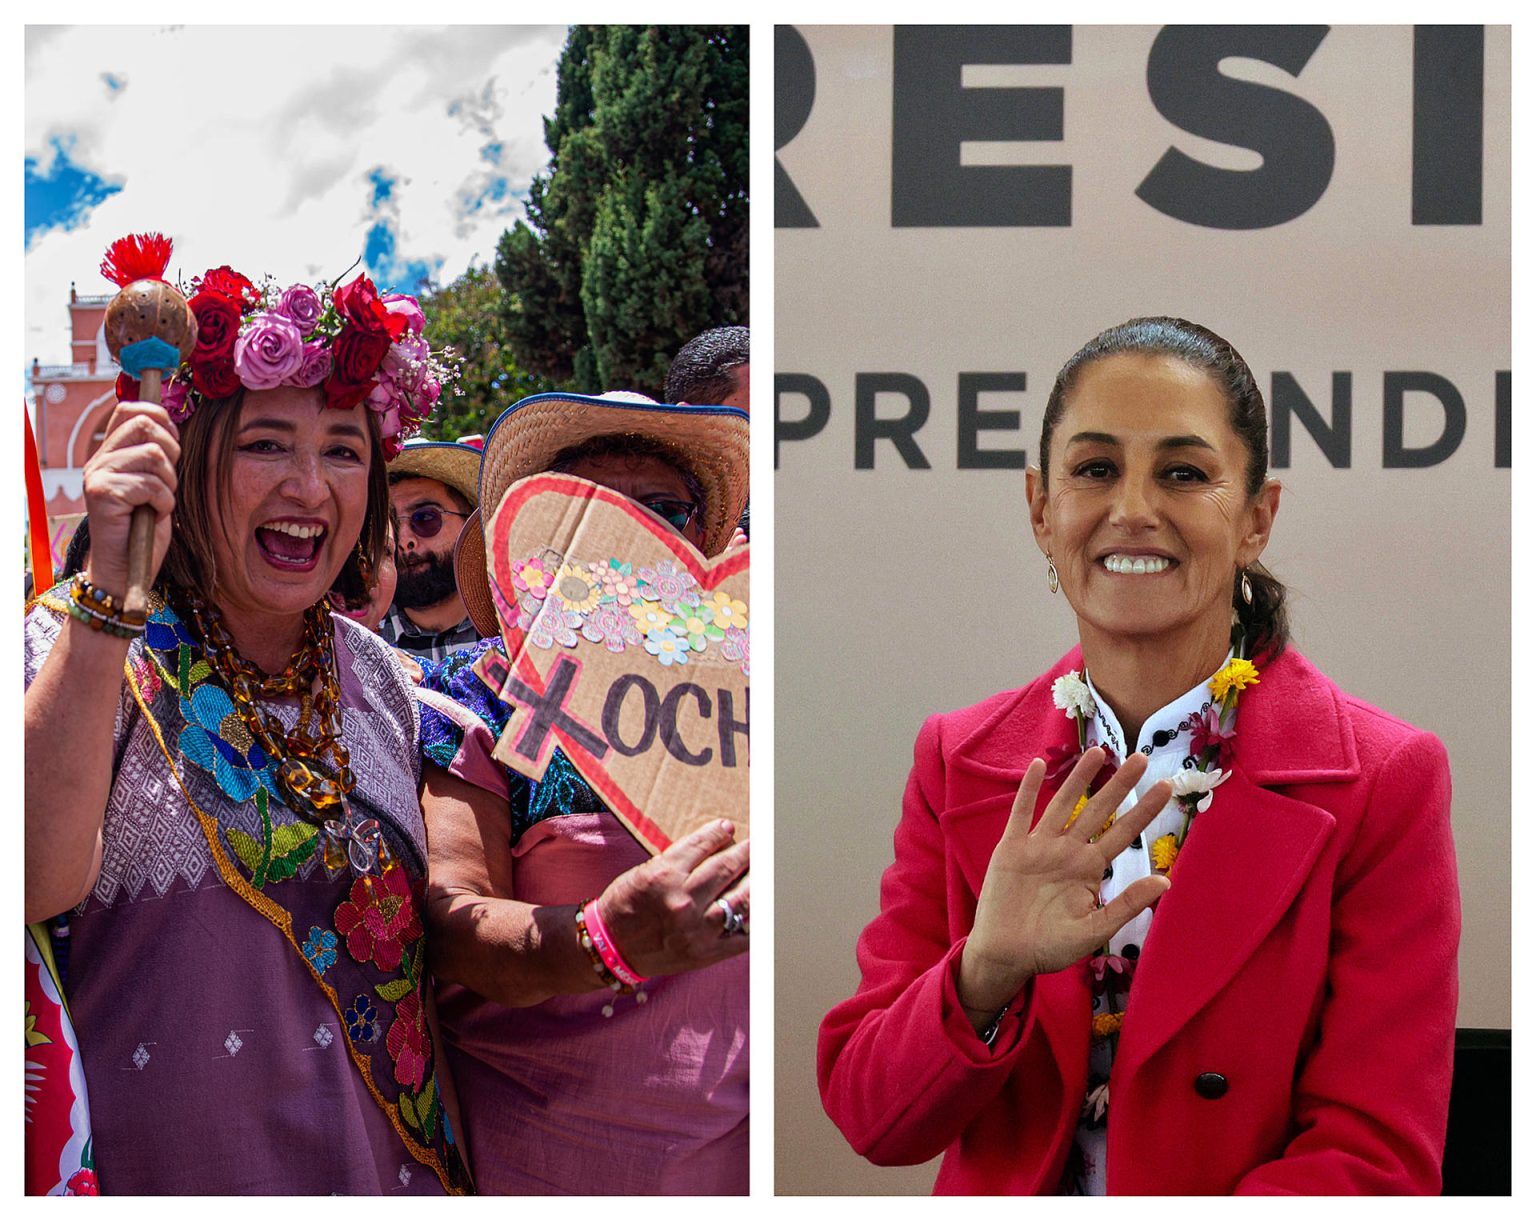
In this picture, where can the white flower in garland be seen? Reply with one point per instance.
(1198, 787)
(1072, 696)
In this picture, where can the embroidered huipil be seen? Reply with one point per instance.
(247, 1023)
(557, 1098)
(1165, 740)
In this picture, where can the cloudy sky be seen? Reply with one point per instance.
(290, 150)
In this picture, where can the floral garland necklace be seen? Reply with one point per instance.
(311, 762)
(1212, 748)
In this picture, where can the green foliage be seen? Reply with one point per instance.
(468, 315)
(636, 237)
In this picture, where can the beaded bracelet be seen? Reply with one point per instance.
(602, 941)
(100, 611)
(584, 936)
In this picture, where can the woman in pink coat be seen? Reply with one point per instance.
(1224, 965)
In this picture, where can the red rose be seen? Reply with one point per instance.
(358, 302)
(392, 445)
(358, 354)
(215, 378)
(344, 395)
(218, 326)
(127, 388)
(227, 282)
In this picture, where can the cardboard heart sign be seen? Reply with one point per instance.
(625, 646)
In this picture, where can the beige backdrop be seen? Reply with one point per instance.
(901, 592)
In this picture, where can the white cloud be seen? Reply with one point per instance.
(252, 146)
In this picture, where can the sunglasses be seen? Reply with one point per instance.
(676, 513)
(427, 521)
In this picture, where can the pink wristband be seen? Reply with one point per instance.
(602, 941)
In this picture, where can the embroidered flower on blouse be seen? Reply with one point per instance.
(1237, 675)
(407, 1042)
(238, 766)
(1164, 852)
(1072, 696)
(379, 919)
(320, 949)
(362, 1020)
(1198, 787)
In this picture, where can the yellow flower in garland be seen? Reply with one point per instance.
(1237, 675)
(1107, 1024)
(1164, 852)
(1078, 808)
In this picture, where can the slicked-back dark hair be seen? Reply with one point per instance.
(704, 370)
(1266, 621)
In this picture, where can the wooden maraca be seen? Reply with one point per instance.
(149, 330)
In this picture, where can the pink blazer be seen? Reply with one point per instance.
(1305, 954)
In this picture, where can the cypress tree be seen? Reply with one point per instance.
(636, 237)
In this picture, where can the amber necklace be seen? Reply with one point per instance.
(311, 761)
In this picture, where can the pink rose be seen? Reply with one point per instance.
(406, 361)
(301, 304)
(316, 367)
(381, 398)
(389, 421)
(398, 303)
(270, 350)
(428, 393)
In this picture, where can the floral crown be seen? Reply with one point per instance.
(354, 343)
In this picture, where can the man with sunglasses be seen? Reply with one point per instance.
(434, 486)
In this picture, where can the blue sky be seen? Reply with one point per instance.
(290, 150)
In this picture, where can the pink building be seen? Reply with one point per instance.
(72, 404)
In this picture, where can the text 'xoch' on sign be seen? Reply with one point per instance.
(626, 649)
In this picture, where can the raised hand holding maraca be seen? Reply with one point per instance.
(130, 481)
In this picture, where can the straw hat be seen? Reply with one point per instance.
(451, 464)
(529, 434)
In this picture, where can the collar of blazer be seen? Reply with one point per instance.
(1242, 866)
(1292, 727)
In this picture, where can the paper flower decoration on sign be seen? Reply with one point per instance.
(625, 647)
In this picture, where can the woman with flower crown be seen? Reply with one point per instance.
(222, 794)
(1179, 916)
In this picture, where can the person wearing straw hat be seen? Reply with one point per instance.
(568, 1086)
(433, 486)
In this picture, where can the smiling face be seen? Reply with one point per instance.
(292, 509)
(1146, 512)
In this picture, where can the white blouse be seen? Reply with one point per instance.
(1165, 740)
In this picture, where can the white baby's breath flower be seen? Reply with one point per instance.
(1201, 784)
(1072, 695)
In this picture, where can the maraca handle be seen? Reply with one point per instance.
(141, 529)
